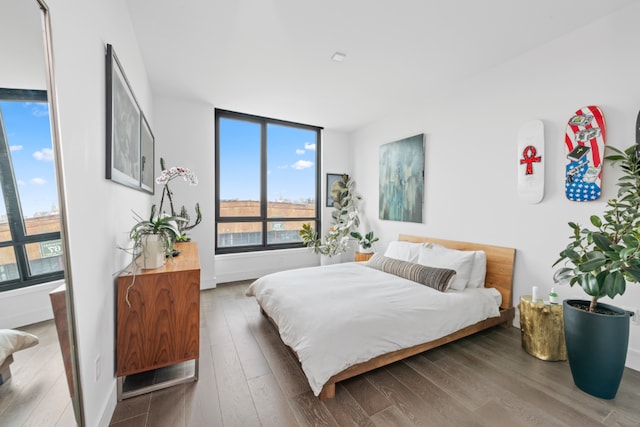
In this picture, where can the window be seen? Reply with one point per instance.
(30, 246)
(267, 182)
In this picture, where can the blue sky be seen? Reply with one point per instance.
(291, 161)
(29, 136)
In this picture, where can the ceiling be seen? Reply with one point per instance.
(273, 57)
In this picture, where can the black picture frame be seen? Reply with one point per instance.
(331, 179)
(147, 156)
(127, 130)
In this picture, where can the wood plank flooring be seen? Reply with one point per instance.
(37, 393)
(249, 378)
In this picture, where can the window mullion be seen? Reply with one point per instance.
(263, 181)
(9, 188)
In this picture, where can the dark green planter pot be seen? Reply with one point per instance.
(596, 348)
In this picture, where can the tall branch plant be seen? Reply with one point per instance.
(344, 219)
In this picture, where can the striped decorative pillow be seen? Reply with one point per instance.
(436, 278)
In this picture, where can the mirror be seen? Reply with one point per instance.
(27, 64)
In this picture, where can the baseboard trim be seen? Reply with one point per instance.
(633, 359)
(109, 408)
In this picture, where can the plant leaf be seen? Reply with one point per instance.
(595, 260)
(590, 285)
(602, 241)
(614, 284)
(635, 273)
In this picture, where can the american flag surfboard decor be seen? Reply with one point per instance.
(584, 140)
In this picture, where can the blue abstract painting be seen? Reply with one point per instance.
(402, 179)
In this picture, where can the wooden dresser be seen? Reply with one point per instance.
(159, 326)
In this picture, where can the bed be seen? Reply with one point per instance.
(12, 340)
(346, 319)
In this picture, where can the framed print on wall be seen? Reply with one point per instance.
(332, 180)
(402, 179)
(129, 137)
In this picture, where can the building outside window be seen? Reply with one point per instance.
(30, 245)
(267, 182)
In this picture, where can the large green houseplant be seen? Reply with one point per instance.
(344, 219)
(602, 259)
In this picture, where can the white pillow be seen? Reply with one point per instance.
(12, 341)
(441, 257)
(404, 251)
(478, 268)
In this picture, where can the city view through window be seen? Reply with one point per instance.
(29, 218)
(267, 182)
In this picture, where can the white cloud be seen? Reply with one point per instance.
(300, 151)
(302, 164)
(15, 147)
(39, 112)
(45, 154)
(309, 146)
(283, 166)
(21, 182)
(38, 181)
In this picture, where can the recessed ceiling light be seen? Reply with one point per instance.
(338, 56)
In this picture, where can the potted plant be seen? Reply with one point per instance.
(365, 242)
(153, 239)
(603, 259)
(344, 218)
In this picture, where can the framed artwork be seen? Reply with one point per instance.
(129, 137)
(147, 149)
(332, 187)
(402, 180)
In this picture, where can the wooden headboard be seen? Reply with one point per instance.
(500, 262)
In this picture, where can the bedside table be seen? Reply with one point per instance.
(360, 257)
(542, 329)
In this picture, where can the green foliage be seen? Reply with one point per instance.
(344, 218)
(364, 241)
(606, 257)
(165, 226)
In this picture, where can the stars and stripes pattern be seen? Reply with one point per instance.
(584, 176)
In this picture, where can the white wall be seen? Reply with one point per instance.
(471, 158)
(184, 133)
(24, 306)
(99, 210)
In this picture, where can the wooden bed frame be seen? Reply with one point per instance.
(500, 263)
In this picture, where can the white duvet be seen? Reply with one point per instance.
(338, 315)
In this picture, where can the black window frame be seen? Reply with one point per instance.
(17, 227)
(263, 217)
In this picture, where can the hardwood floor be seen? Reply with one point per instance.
(249, 378)
(37, 393)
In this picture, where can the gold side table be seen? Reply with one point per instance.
(542, 329)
